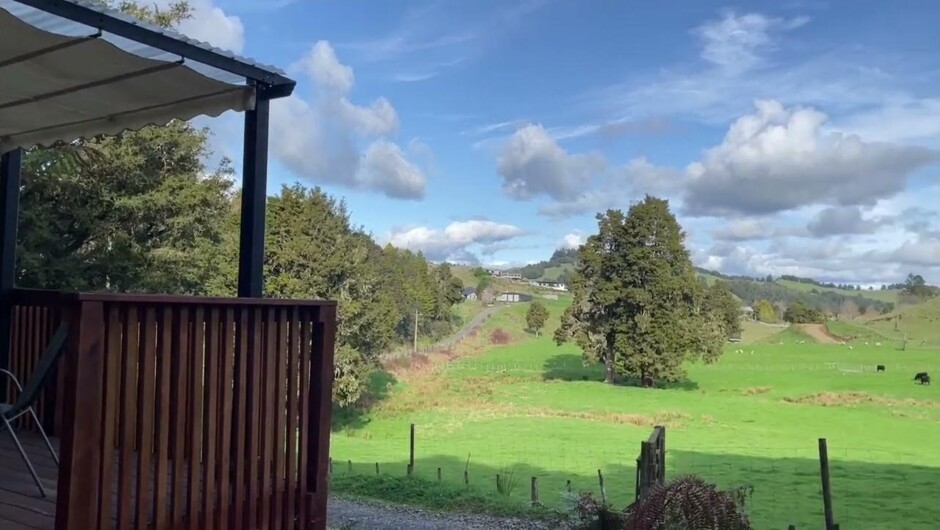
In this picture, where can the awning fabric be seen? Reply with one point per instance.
(56, 87)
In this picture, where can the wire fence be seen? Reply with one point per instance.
(785, 478)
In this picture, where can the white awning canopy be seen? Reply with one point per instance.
(56, 86)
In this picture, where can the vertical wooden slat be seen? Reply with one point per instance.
(194, 426)
(109, 414)
(128, 408)
(305, 354)
(293, 373)
(146, 387)
(254, 418)
(78, 486)
(320, 412)
(210, 429)
(280, 418)
(223, 471)
(268, 423)
(240, 458)
(164, 359)
(29, 360)
(180, 407)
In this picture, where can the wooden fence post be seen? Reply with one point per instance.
(376, 468)
(466, 478)
(411, 450)
(80, 449)
(499, 484)
(824, 473)
(600, 478)
(535, 491)
(568, 486)
(438, 474)
(349, 466)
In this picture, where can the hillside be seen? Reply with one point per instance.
(887, 295)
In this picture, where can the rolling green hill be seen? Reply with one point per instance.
(888, 295)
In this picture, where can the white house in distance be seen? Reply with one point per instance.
(554, 286)
(503, 274)
(470, 293)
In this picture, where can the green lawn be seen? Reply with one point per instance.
(531, 409)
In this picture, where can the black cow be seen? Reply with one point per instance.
(880, 368)
(923, 378)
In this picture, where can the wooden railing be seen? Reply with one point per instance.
(183, 412)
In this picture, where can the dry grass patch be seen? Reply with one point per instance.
(756, 390)
(849, 399)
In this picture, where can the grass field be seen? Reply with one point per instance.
(529, 408)
(888, 295)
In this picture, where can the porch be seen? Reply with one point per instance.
(168, 412)
(173, 412)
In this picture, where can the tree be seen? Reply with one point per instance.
(850, 309)
(765, 311)
(536, 316)
(483, 283)
(722, 304)
(800, 313)
(637, 304)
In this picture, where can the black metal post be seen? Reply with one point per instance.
(254, 195)
(9, 211)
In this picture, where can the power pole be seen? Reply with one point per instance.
(416, 331)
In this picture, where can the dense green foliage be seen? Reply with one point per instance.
(765, 311)
(536, 316)
(720, 302)
(637, 303)
(140, 212)
(800, 313)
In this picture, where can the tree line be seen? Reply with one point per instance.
(141, 212)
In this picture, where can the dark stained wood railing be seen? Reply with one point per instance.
(185, 412)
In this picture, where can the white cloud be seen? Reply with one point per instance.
(329, 139)
(452, 242)
(572, 240)
(778, 159)
(209, 23)
(324, 68)
(532, 164)
(736, 41)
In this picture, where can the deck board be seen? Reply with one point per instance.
(21, 506)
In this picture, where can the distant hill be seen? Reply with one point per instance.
(783, 291)
(558, 268)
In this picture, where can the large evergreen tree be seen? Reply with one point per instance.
(637, 304)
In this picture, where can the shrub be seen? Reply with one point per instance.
(690, 503)
(685, 503)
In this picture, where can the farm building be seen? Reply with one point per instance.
(513, 297)
(469, 293)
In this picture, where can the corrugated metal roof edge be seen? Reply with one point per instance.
(50, 6)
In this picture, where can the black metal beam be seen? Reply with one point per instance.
(9, 210)
(278, 84)
(254, 196)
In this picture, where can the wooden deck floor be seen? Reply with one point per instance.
(21, 506)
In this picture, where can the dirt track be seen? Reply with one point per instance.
(819, 333)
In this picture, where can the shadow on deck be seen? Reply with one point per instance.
(21, 506)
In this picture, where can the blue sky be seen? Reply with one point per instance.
(792, 137)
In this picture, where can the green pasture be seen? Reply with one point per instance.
(529, 408)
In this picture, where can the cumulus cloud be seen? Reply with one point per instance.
(572, 240)
(777, 159)
(209, 23)
(840, 220)
(329, 139)
(452, 242)
(532, 164)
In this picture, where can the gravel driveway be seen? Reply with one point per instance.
(346, 514)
